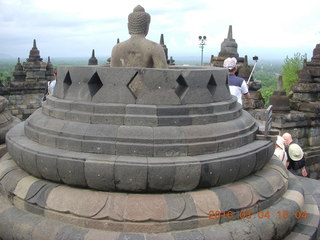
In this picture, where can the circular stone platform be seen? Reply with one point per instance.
(129, 153)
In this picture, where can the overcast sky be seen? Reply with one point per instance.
(269, 29)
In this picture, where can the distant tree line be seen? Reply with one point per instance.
(289, 71)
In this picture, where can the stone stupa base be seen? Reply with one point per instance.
(270, 204)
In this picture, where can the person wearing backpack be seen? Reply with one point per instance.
(296, 160)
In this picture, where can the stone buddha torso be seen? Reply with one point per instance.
(138, 51)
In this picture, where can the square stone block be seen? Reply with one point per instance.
(30, 162)
(131, 173)
(99, 173)
(161, 174)
(95, 146)
(229, 170)
(47, 166)
(210, 174)
(71, 171)
(187, 175)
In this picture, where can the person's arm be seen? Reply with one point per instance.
(247, 95)
(304, 171)
(245, 90)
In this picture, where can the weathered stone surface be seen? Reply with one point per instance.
(85, 203)
(71, 171)
(128, 178)
(161, 174)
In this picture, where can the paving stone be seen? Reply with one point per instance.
(6, 167)
(264, 227)
(205, 201)
(306, 230)
(224, 193)
(80, 202)
(100, 235)
(241, 230)
(23, 186)
(243, 193)
(46, 229)
(145, 207)
(159, 236)
(69, 232)
(40, 198)
(260, 186)
(131, 236)
(175, 206)
(216, 233)
(17, 224)
(275, 179)
(11, 179)
(294, 196)
(114, 209)
(188, 235)
(283, 216)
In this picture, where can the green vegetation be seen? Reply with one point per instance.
(6, 68)
(268, 76)
(290, 70)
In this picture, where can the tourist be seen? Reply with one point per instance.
(138, 51)
(296, 161)
(280, 151)
(52, 83)
(50, 86)
(237, 85)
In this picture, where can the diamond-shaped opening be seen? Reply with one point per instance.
(182, 87)
(212, 85)
(136, 85)
(94, 84)
(66, 82)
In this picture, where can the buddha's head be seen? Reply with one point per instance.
(138, 21)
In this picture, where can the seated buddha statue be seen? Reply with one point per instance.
(138, 51)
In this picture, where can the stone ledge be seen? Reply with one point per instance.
(31, 225)
(188, 172)
(140, 140)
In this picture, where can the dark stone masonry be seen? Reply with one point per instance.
(147, 153)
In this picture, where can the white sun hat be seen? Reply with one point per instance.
(295, 152)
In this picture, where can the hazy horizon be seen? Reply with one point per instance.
(271, 30)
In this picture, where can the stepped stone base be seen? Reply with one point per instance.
(265, 205)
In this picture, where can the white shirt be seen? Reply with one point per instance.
(51, 86)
